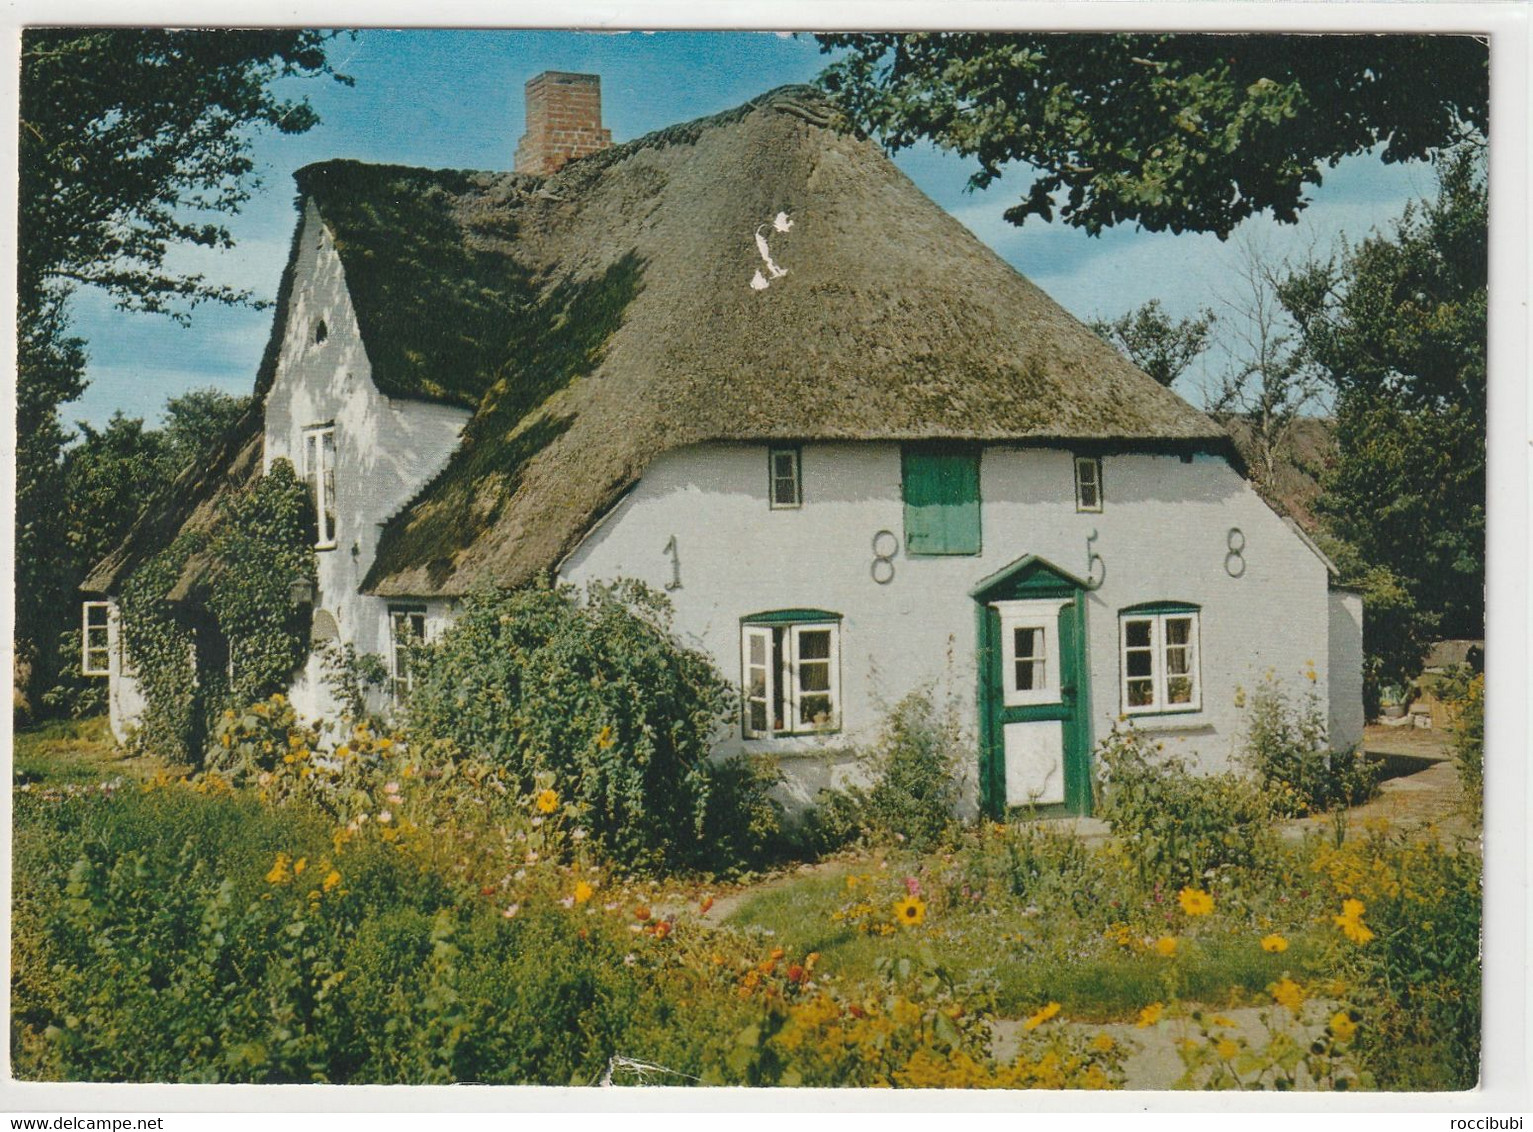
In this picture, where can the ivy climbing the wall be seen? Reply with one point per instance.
(263, 546)
(160, 647)
(244, 638)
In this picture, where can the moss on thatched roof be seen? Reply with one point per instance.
(632, 330)
(193, 500)
(598, 317)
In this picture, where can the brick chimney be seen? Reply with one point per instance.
(563, 122)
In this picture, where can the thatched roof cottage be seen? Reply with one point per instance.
(746, 360)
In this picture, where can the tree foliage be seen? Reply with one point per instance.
(132, 142)
(131, 138)
(1398, 325)
(596, 693)
(1172, 132)
(1149, 338)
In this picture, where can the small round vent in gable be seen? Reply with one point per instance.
(321, 331)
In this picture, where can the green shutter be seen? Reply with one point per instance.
(941, 488)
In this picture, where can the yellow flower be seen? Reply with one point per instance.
(583, 892)
(1343, 1026)
(547, 802)
(1274, 943)
(1287, 993)
(1226, 1049)
(1041, 1017)
(1195, 902)
(1103, 1043)
(332, 878)
(279, 873)
(299, 865)
(1351, 921)
(604, 736)
(1165, 946)
(1150, 1015)
(910, 911)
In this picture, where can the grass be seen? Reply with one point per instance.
(1022, 956)
(75, 752)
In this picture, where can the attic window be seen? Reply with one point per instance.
(321, 331)
(785, 482)
(95, 647)
(1088, 483)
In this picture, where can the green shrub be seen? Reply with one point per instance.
(916, 763)
(1176, 826)
(178, 935)
(1466, 696)
(1415, 972)
(743, 824)
(837, 819)
(596, 693)
(1286, 747)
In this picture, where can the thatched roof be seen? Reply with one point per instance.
(194, 500)
(601, 316)
(630, 327)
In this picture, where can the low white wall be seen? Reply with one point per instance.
(1346, 690)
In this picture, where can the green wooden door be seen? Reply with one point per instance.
(1034, 693)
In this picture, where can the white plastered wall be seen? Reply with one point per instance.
(387, 449)
(1163, 535)
(1346, 692)
(125, 699)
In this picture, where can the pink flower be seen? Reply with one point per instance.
(913, 886)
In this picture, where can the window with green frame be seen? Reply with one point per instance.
(940, 485)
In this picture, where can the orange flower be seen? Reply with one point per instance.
(641, 912)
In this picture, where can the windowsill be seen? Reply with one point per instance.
(942, 553)
(1190, 719)
(791, 737)
(327, 546)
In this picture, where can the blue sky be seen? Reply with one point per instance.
(454, 99)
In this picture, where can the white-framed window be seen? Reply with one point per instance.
(1160, 660)
(96, 639)
(1030, 651)
(1088, 483)
(319, 474)
(790, 665)
(407, 628)
(785, 484)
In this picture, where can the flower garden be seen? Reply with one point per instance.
(364, 920)
(356, 904)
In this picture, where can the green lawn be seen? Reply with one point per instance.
(75, 752)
